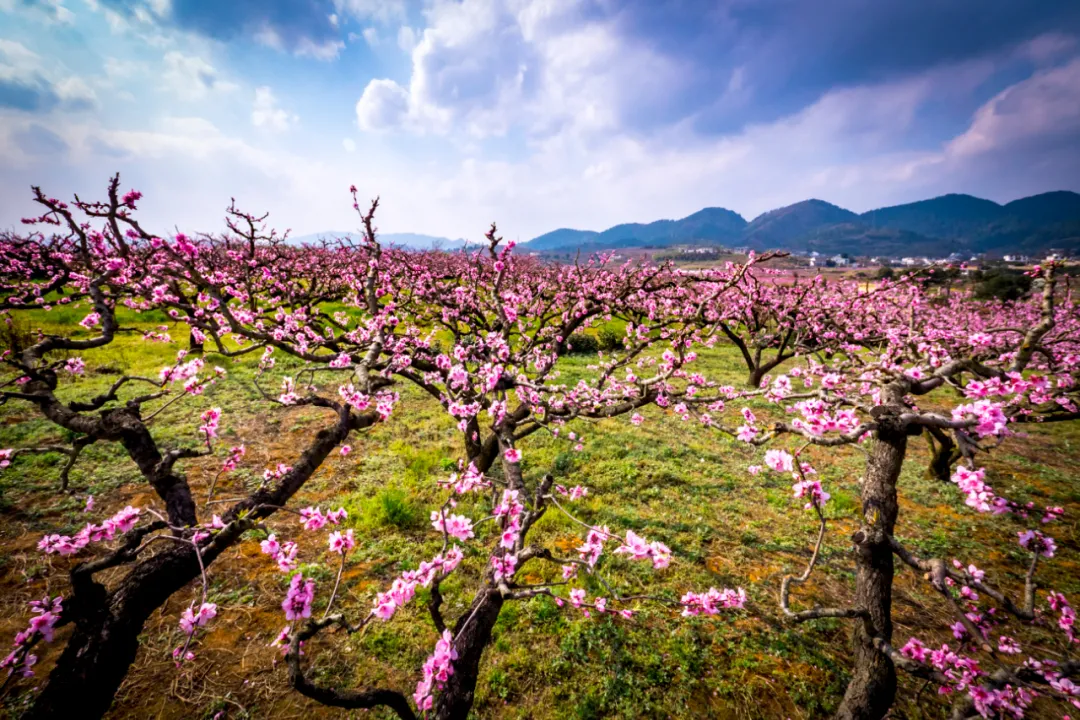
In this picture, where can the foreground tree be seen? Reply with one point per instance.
(507, 322)
(1009, 364)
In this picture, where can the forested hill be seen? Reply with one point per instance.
(938, 227)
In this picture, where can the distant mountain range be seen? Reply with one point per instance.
(936, 227)
(411, 241)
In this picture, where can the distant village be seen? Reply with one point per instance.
(846, 260)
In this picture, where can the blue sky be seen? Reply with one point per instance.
(537, 114)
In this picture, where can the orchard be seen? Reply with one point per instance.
(247, 478)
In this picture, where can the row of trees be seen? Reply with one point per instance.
(482, 334)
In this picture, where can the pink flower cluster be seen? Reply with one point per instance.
(510, 509)
(1036, 542)
(779, 460)
(964, 675)
(190, 620)
(121, 522)
(342, 542)
(471, 479)
(817, 420)
(314, 519)
(288, 394)
(297, 602)
(638, 549)
(988, 417)
(210, 420)
(575, 493)
(712, 601)
(437, 670)
(46, 614)
(284, 554)
(1067, 617)
(456, 526)
(75, 366)
(235, 453)
(404, 587)
(812, 490)
(980, 496)
(594, 544)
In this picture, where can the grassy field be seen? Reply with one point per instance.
(669, 480)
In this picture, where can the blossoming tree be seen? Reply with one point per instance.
(1005, 364)
(507, 322)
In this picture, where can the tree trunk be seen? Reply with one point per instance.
(472, 635)
(943, 453)
(872, 689)
(106, 639)
(754, 380)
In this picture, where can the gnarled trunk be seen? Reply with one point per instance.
(472, 635)
(943, 453)
(106, 639)
(872, 689)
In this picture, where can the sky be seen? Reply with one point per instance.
(536, 114)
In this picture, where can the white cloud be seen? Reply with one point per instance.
(47, 78)
(349, 145)
(161, 8)
(18, 54)
(75, 90)
(383, 105)
(1046, 104)
(265, 112)
(406, 38)
(1048, 47)
(540, 64)
(50, 12)
(191, 77)
(326, 51)
(383, 11)
(371, 36)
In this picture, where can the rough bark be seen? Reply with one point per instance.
(106, 638)
(872, 688)
(108, 623)
(471, 635)
(943, 453)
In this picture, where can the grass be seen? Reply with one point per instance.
(668, 480)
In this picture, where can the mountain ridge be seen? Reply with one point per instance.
(937, 226)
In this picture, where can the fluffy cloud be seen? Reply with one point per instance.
(544, 65)
(266, 113)
(383, 105)
(29, 83)
(191, 77)
(51, 12)
(1045, 106)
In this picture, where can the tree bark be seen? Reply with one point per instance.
(472, 635)
(100, 652)
(106, 639)
(872, 689)
(943, 453)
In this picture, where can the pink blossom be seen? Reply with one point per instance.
(779, 460)
(297, 602)
(456, 526)
(342, 543)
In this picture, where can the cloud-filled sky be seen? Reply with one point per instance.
(537, 114)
